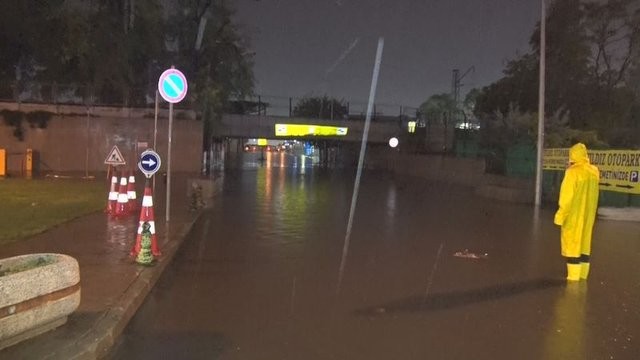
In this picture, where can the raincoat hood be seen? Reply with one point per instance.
(578, 154)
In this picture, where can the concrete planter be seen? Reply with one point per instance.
(37, 293)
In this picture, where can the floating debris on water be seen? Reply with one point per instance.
(469, 255)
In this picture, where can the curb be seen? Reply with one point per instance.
(96, 343)
(619, 214)
(117, 318)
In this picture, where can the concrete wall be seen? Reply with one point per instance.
(79, 137)
(452, 170)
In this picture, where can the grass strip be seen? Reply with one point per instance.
(29, 207)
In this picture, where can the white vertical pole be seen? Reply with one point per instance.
(541, 93)
(363, 148)
(155, 132)
(169, 162)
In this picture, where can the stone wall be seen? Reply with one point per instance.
(79, 138)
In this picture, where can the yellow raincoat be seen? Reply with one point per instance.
(578, 203)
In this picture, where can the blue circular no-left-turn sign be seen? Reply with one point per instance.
(149, 162)
(172, 85)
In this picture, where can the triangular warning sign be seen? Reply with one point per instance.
(115, 157)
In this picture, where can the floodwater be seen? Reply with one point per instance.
(260, 278)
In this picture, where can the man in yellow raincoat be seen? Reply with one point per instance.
(577, 211)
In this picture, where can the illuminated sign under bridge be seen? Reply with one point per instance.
(309, 130)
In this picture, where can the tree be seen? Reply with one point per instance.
(125, 43)
(207, 45)
(23, 45)
(566, 57)
(592, 57)
(119, 48)
(439, 109)
(211, 53)
(321, 108)
(614, 30)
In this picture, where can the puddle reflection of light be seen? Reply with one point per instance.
(303, 162)
(267, 177)
(281, 175)
(391, 201)
(566, 335)
(390, 211)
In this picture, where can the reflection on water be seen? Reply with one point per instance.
(390, 210)
(119, 232)
(281, 199)
(566, 333)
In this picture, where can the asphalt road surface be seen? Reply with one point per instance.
(431, 272)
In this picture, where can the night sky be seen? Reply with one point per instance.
(315, 47)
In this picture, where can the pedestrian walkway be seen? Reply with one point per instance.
(112, 285)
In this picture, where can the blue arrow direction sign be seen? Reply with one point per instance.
(149, 163)
(172, 85)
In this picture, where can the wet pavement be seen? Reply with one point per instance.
(258, 277)
(112, 284)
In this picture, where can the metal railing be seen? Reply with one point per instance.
(285, 106)
(78, 94)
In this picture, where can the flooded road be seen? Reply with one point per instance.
(259, 276)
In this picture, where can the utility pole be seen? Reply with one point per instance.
(456, 85)
(455, 82)
(541, 94)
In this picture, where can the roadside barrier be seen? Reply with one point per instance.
(131, 193)
(113, 196)
(122, 206)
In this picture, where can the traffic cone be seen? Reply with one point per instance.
(131, 193)
(122, 206)
(113, 196)
(146, 215)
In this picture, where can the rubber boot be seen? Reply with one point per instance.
(584, 270)
(573, 272)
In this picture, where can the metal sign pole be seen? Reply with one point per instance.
(169, 162)
(86, 160)
(172, 86)
(155, 134)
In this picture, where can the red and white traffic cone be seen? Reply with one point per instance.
(122, 206)
(131, 193)
(113, 196)
(146, 215)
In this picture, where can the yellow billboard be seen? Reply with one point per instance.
(619, 169)
(309, 130)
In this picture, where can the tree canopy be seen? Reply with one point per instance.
(438, 108)
(592, 71)
(321, 107)
(116, 50)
